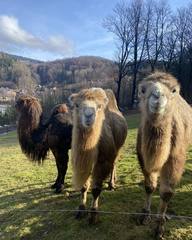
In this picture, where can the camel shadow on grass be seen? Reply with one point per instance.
(20, 218)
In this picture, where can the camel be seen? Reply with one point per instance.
(36, 138)
(164, 135)
(99, 131)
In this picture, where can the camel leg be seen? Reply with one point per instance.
(150, 186)
(112, 178)
(101, 171)
(82, 207)
(96, 191)
(170, 175)
(62, 159)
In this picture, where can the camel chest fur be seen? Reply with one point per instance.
(155, 147)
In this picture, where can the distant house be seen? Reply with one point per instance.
(7, 95)
(3, 108)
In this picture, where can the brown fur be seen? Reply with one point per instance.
(94, 150)
(36, 138)
(163, 140)
(29, 120)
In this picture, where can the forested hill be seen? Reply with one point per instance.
(20, 72)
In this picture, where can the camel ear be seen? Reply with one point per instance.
(72, 98)
(106, 101)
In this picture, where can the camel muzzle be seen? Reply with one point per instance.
(157, 102)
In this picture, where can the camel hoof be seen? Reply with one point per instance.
(159, 232)
(93, 219)
(53, 186)
(81, 213)
(144, 219)
(160, 229)
(59, 188)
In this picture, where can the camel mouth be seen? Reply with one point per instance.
(157, 109)
(88, 123)
(157, 105)
(88, 119)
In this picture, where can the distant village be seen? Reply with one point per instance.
(7, 96)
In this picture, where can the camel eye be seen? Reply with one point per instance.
(99, 106)
(174, 90)
(143, 90)
(21, 102)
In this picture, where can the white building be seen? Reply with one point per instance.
(3, 107)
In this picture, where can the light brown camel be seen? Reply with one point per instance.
(99, 131)
(164, 134)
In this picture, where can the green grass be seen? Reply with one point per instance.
(25, 187)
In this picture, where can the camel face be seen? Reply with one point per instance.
(87, 112)
(156, 97)
(23, 102)
(157, 100)
(88, 106)
(20, 103)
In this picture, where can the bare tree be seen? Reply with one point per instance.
(119, 24)
(140, 27)
(127, 23)
(148, 33)
(169, 52)
(159, 24)
(183, 26)
(22, 75)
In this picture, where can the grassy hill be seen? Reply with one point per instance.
(16, 71)
(30, 210)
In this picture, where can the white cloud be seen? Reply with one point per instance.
(12, 36)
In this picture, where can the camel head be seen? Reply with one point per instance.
(89, 104)
(157, 93)
(30, 111)
(60, 108)
(24, 103)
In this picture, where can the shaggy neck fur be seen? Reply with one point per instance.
(156, 138)
(85, 145)
(28, 124)
(30, 120)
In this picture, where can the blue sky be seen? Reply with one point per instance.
(52, 29)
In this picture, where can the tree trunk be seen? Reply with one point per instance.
(119, 88)
(134, 89)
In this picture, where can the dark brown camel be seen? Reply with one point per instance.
(36, 138)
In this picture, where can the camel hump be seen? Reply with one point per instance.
(112, 104)
(59, 108)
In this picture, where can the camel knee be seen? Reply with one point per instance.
(149, 189)
(166, 196)
(83, 190)
(96, 192)
(151, 183)
(166, 191)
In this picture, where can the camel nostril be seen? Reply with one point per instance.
(88, 116)
(156, 93)
(89, 113)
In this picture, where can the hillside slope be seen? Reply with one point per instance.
(19, 72)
